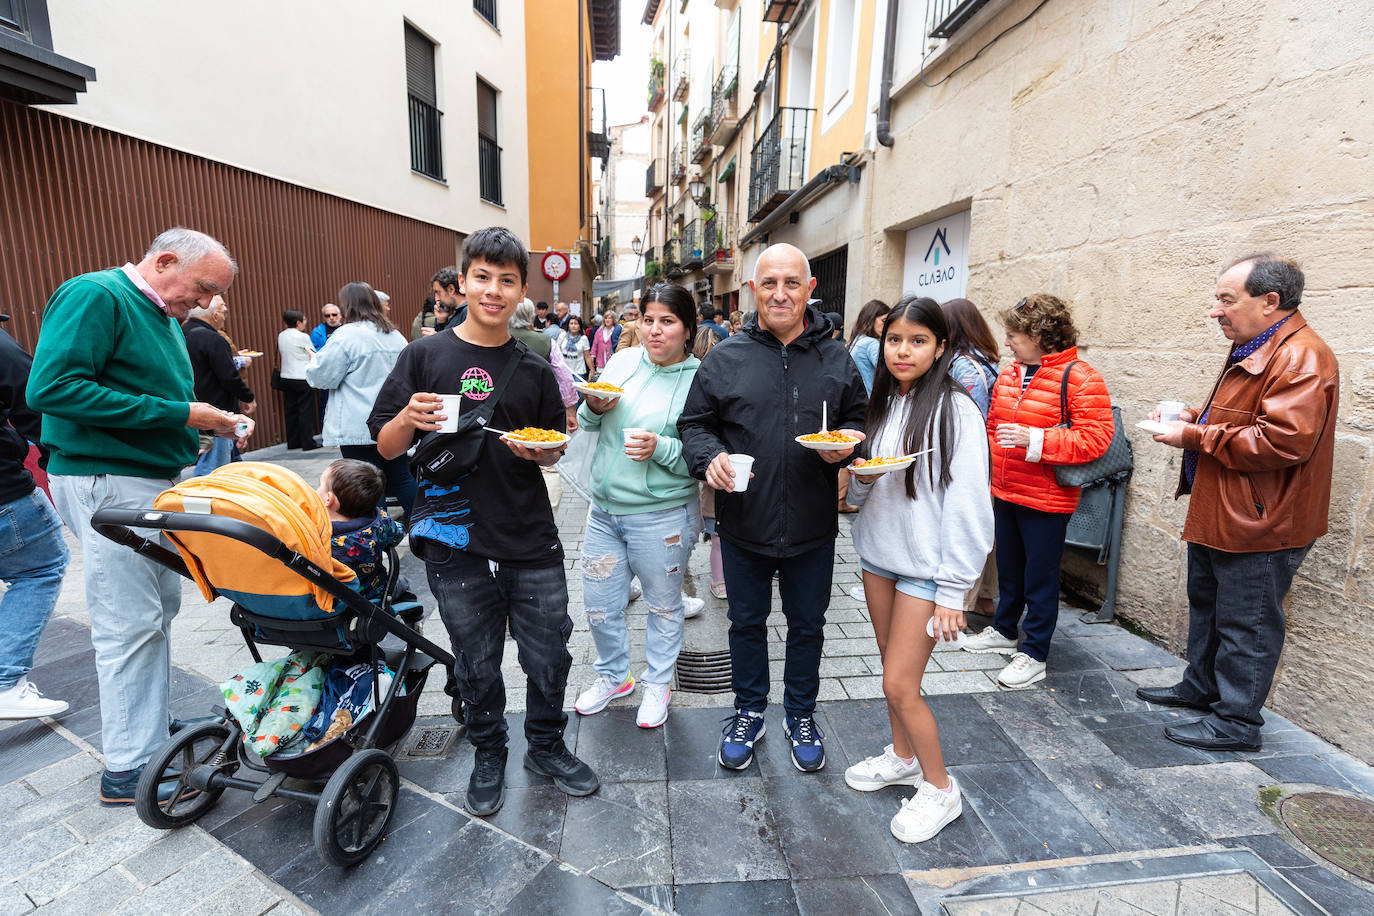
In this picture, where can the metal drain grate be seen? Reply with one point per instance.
(432, 742)
(1338, 828)
(703, 672)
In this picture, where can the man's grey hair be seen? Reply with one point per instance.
(204, 314)
(189, 246)
(523, 316)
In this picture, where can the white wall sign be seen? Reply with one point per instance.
(575, 262)
(937, 259)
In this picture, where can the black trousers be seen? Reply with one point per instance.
(300, 413)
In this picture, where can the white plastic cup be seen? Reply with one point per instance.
(741, 465)
(450, 410)
(1170, 410)
(957, 642)
(633, 431)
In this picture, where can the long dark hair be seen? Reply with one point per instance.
(680, 303)
(968, 330)
(930, 395)
(358, 302)
(867, 322)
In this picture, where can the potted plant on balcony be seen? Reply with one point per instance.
(722, 248)
(657, 73)
(652, 271)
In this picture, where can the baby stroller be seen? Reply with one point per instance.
(221, 524)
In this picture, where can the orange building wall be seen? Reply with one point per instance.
(847, 133)
(555, 126)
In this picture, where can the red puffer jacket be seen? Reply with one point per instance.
(1015, 477)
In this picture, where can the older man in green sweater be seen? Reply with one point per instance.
(114, 385)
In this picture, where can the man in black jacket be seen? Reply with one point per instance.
(33, 556)
(754, 394)
(217, 382)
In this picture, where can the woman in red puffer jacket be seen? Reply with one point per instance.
(1031, 510)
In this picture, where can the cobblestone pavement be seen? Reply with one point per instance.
(1073, 800)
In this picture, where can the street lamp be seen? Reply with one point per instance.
(697, 188)
(637, 246)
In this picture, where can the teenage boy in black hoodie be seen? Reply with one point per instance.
(755, 392)
(489, 541)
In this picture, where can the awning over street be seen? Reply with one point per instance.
(625, 289)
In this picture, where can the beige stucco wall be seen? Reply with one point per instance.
(1118, 153)
(311, 93)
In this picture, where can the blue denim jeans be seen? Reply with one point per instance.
(132, 601)
(220, 453)
(804, 584)
(653, 546)
(478, 599)
(33, 558)
(1030, 544)
(1235, 632)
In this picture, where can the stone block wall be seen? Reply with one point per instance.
(1119, 153)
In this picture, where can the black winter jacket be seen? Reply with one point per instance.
(754, 396)
(18, 423)
(212, 360)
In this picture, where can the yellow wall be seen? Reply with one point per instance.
(847, 133)
(555, 126)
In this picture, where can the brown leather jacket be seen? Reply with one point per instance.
(1263, 477)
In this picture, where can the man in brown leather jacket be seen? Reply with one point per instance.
(1257, 461)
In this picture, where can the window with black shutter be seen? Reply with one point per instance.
(486, 9)
(488, 149)
(426, 148)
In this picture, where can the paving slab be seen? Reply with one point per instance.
(723, 830)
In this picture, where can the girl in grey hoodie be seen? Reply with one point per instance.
(922, 535)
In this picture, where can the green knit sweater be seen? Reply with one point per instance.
(113, 382)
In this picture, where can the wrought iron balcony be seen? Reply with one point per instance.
(655, 83)
(653, 178)
(598, 141)
(489, 169)
(677, 166)
(672, 257)
(778, 161)
(681, 71)
(701, 142)
(691, 245)
(724, 105)
(946, 16)
(426, 147)
(718, 246)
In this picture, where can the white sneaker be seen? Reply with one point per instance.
(594, 699)
(691, 607)
(927, 813)
(636, 590)
(1022, 672)
(857, 593)
(653, 706)
(25, 701)
(989, 641)
(886, 769)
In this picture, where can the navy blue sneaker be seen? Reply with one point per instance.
(808, 753)
(738, 737)
(118, 791)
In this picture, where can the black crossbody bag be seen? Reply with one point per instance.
(443, 458)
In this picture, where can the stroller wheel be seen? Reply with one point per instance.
(356, 807)
(165, 797)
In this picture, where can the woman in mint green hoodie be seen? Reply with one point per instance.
(644, 516)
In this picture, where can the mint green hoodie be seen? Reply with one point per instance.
(113, 382)
(652, 400)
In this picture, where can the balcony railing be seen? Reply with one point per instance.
(677, 166)
(691, 245)
(946, 16)
(681, 69)
(598, 142)
(655, 83)
(724, 108)
(701, 143)
(426, 146)
(718, 243)
(778, 161)
(486, 9)
(489, 169)
(653, 178)
(672, 257)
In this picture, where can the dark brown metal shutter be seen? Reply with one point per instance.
(420, 67)
(486, 110)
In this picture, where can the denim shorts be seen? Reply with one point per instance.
(916, 588)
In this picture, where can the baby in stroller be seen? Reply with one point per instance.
(224, 526)
(362, 533)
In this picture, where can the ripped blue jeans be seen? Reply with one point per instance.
(653, 546)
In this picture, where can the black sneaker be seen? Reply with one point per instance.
(487, 785)
(118, 791)
(567, 772)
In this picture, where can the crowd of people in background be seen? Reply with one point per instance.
(974, 517)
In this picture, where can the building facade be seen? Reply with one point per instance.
(625, 214)
(1117, 153)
